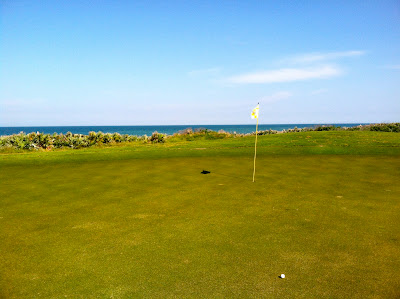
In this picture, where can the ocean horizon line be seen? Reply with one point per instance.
(180, 125)
(164, 129)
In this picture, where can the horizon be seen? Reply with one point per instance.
(168, 129)
(181, 125)
(156, 63)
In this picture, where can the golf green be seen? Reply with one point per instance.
(144, 222)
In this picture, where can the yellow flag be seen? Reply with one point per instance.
(254, 113)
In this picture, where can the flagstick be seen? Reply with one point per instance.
(255, 151)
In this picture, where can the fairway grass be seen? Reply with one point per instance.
(144, 222)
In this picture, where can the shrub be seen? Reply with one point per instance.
(144, 138)
(201, 130)
(326, 128)
(107, 138)
(267, 132)
(99, 137)
(92, 137)
(132, 138)
(117, 137)
(186, 131)
(394, 127)
(157, 138)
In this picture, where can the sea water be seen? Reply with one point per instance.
(169, 130)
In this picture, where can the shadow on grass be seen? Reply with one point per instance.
(226, 175)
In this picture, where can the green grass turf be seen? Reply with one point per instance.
(141, 221)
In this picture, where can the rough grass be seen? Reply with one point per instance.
(143, 222)
(305, 143)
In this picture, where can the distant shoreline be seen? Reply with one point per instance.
(43, 141)
(165, 129)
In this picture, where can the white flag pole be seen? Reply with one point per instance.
(255, 148)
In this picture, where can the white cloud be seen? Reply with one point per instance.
(318, 57)
(286, 75)
(202, 72)
(277, 96)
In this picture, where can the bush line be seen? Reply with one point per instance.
(36, 141)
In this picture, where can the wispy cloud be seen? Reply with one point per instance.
(277, 96)
(205, 72)
(319, 57)
(286, 75)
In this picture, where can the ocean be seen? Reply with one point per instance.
(148, 130)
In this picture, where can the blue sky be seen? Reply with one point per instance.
(201, 62)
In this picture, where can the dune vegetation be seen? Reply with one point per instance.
(41, 141)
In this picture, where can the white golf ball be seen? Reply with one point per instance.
(282, 275)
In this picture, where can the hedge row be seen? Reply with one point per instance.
(38, 140)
